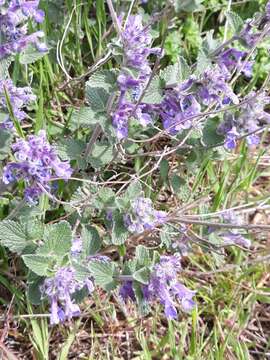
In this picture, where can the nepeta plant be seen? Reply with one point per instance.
(139, 109)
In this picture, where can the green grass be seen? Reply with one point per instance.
(231, 320)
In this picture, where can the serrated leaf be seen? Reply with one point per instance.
(13, 236)
(4, 65)
(57, 239)
(99, 88)
(119, 231)
(33, 291)
(30, 55)
(203, 63)
(34, 229)
(91, 241)
(133, 191)
(39, 264)
(154, 94)
(101, 155)
(176, 73)
(142, 275)
(142, 256)
(210, 135)
(235, 21)
(103, 273)
(87, 117)
(209, 44)
(72, 149)
(81, 272)
(188, 5)
(5, 143)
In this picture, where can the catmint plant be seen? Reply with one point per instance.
(36, 162)
(14, 35)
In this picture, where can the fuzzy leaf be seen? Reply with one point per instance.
(187, 5)
(119, 231)
(142, 275)
(39, 264)
(210, 135)
(5, 142)
(13, 236)
(72, 149)
(99, 88)
(142, 255)
(57, 239)
(87, 117)
(4, 65)
(30, 55)
(153, 94)
(91, 241)
(101, 155)
(103, 274)
(235, 21)
(176, 73)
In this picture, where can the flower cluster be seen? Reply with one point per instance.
(233, 237)
(136, 41)
(14, 15)
(59, 290)
(143, 216)
(164, 287)
(36, 161)
(251, 115)
(19, 98)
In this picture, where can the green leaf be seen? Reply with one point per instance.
(143, 305)
(91, 241)
(209, 44)
(133, 191)
(39, 264)
(176, 73)
(210, 135)
(142, 256)
(119, 231)
(33, 291)
(13, 236)
(99, 88)
(142, 275)
(87, 117)
(154, 94)
(72, 149)
(101, 155)
(81, 272)
(4, 65)
(103, 273)
(30, 55)
(203, 63)
(235, 21)
(57, 239)
(5, 143)
(188, 5)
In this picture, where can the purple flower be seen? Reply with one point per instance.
(233, 238)
(13, 18)
(76, 247)
(36, 162)
(176, 110)
(126, 291)
(59, 290)
(19, 98)
(136, 41)
(231, 139)
(249, 34)
(165, 287)
(233, 59)
(143, 216)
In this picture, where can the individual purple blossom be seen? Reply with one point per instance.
(143, 216)
(14, 15)
(231, 139)
(136, 42)
(165, 287)
(76, 247)
(36, 162)
(213, 87)
(20, 97)
(177, 110)
(249, 34)
(234, 238)
(234, 59)
(126, 291)
(59, 290)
